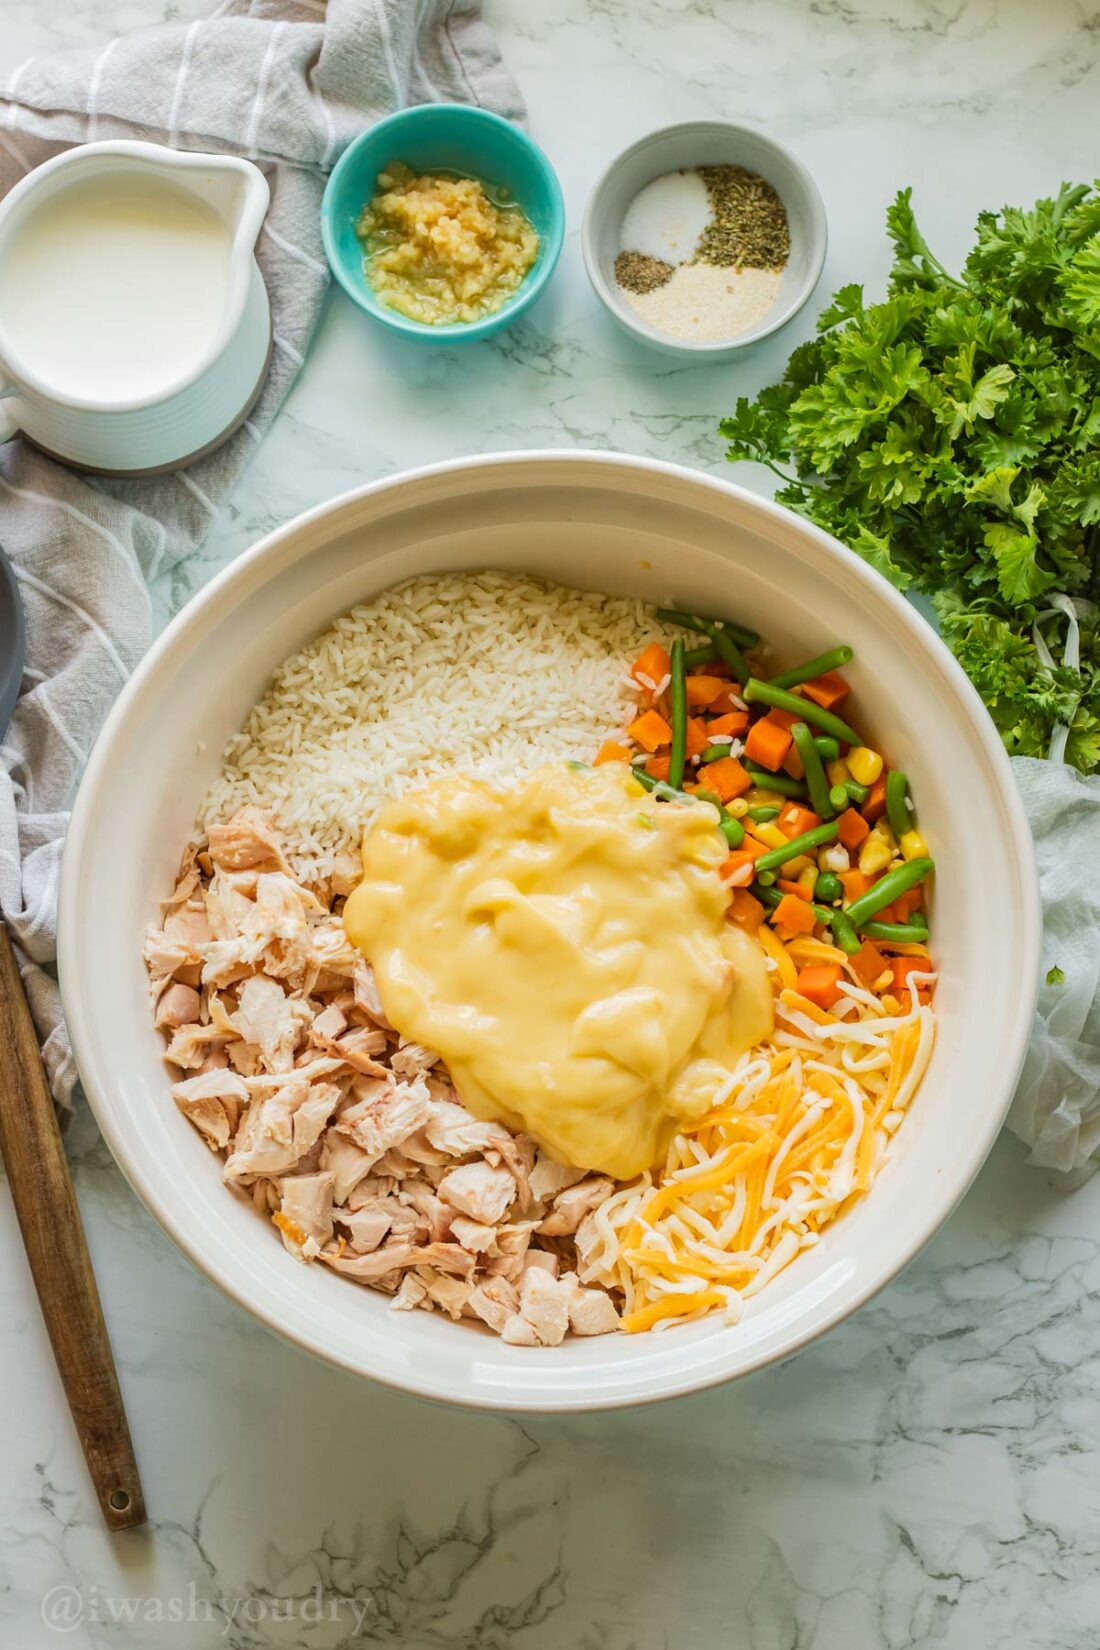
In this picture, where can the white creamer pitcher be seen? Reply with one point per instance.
(135, 327)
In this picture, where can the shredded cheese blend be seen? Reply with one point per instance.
(797, 1135)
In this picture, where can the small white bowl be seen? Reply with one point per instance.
(599, 521)
(683, 148)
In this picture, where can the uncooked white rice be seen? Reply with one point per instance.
(491, 673)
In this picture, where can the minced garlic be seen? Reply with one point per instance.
(438, 250)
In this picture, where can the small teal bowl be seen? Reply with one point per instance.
(448, 137)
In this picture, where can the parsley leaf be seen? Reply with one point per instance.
(950, 435)
(1055, 976)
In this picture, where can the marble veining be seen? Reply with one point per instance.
(927, 1475)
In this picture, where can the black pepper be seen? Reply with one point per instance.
(638, 272)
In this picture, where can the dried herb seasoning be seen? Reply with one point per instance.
(749, 227)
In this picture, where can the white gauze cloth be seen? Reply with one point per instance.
(287, 83)
(1057, 1106)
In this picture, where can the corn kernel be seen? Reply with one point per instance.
(808, 879)
(913, 845)
(874, 856)
(738, 808)
(771, 834)
(837, 771)
(864, 765)
(795, 867)
(758, 797)
(881, 828)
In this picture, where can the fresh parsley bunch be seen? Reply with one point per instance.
(951, 437)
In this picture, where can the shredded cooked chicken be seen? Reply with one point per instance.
(354, 1144)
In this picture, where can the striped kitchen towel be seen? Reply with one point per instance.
(286, 83)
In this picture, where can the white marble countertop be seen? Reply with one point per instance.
(927, 1476)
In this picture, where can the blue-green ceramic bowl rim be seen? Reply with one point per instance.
(550, 245)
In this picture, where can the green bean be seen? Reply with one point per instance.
(696, 656)
(729, 652)
(858, 793)
(691, 621)
(816, 838)
(835, 659)
(678, 697)
(777, 782)
(714, 753)
(843, 932)
(766, 879)
(756, 692)
(897, 805)
(828, 887)
(838, 796)
(901, 933)
(827, 747)
(886, 889)
(663, 792)
(732, 829)
(760, 816)
(816, 782)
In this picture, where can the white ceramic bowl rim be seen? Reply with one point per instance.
(150, 157)
(772, 322)
(673, 1371)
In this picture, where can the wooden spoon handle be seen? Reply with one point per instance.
(53, 1235)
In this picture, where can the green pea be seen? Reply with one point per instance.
(828, 887)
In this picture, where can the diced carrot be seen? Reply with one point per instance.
(875, 805)
(792, 764)
(794, 888)
(650, 730)
(782, 719)
(745, 911)
(828, 690)
(734, 722)
(794, 820)
(612, 751)
(819, 983)
(796, 915)
(703, 690)
(727, 778)
(868, 964)
(728, 700)
(753, 847)
(907, 903)
(855, 884)
(736, 869)
(888, 913)
(767, 745)
(853, 828)
(657, 767)
(653, 662)
(697, 736)
(902, 967)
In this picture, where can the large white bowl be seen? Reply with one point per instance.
(606, 523)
